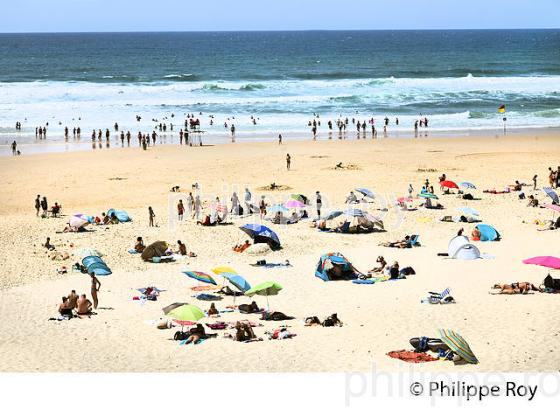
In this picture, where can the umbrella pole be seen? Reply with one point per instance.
(267, 305)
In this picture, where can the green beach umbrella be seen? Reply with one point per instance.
(267, 289)
(186, 313)
(458, 345)
(428, 195)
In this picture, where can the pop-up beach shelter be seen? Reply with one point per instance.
(460, 248)
(488, 233)
(331, 261)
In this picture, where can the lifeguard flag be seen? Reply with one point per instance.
(502, 109)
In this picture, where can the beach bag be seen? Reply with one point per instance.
(551, 283)
(407, 271)
(468, 196)
(181, 335)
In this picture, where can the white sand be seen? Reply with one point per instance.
(507, 333)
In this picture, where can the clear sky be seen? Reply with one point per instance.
(227, 15)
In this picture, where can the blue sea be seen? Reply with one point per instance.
(455, 78)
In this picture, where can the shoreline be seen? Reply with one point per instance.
(211, 139)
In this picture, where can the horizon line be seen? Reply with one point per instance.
(280, 30)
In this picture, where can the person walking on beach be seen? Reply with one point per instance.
(279, 139)
(534, 182)
(95, 287)
(151, 215)
(180, 210)
(234, 204)
(197, 208)
(248, 197)
(190, 203)
(288, 161)
(14, 147)
(44, 206)
(37, 205)
(262, 207)
(319, 202)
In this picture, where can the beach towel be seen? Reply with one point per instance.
(363, 281)
(204, 288)
(133, 251)
(411, 356)
(207, 296)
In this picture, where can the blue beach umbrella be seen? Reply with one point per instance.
(467, 185)
(277, 208)
(332, 215)
(427, 195)
(355, 212)
(237, 280)
(550, 192)
(366, 192)
(261, 234)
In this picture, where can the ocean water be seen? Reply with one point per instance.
(455, 78)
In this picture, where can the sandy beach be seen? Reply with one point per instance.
(518, 333)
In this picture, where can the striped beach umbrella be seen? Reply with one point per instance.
(458, 345)
(200, 276)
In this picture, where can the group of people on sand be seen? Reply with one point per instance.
(80, 306)
(42, 207)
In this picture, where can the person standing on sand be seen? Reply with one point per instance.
(288, 161)
(197, 208)
(319, 202)
(248, 197)
(190, 203)
(180, 210)
(95, 287)
(45, 207)
(279, 139)
(534, 182)
(37, 204)
(14, 147)
(151, 215)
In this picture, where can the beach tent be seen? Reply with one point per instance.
(94, 264)
(460, 248)
(262, 234)
(122, 216)
(156, 249)
(329, 263)
(488, 233)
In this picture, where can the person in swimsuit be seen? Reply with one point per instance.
(64, 309)
(95, 287)
(73, 300)
(84, 305)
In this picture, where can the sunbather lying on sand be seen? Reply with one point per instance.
(280, 333)
(241, 248)
(405, 243)
(518, 288)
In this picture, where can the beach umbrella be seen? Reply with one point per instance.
(428, 195)
(261, 233)
(553, 207)
(277, 208)
(267, 289)
(375, 220)
(186, 314)
(365, 192)
(355, 212)
(332, 215)
(299, 197)
(458, 345)
(78, 221)
(200, 276)
(172, 306)
(294, 204)
(220, 270)
(468, 211)
(546, 261)
(467, 185)
(448, 184)
(238, 281)
(550, 192)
